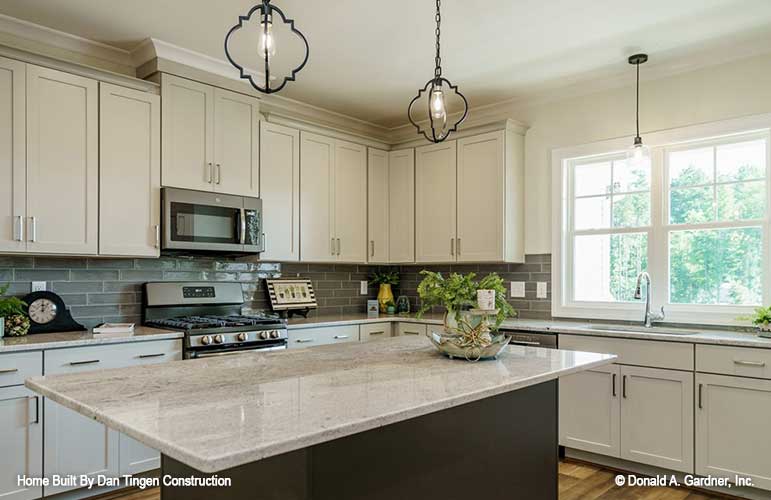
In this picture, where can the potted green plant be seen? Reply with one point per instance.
(13, 317)
(762, 320)
(386, 279)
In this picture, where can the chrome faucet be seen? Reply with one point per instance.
(650, 317)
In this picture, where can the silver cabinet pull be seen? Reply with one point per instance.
(33, 230)
(339, 337)
(8, 370)
(19, 228)
(333, 246)
(303, 341)
(157, 236)
(264, 242)
(452, 246)
(219, 173)
(623, 386)
(87, 362)
(37, 409)
(210, 171)
(157, 355)
(338, 246)
(458, 246)
(700, 405)
(613, 385)
(243, 227)
(411, 333)
(525, 342)
(376, 333)
(371, 248)
(749, 363)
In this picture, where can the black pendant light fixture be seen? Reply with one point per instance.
(266, 50)
(435, 92)
(638, 153)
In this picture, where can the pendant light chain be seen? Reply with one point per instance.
(637, 109)
(438, 60)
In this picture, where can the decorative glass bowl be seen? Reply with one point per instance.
(468, 337)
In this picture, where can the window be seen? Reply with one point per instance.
(695, 218)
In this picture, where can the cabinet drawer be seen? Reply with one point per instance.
(79, 359)
(656, 354)
(741, 361)
(14, 368)
(374, 331)
(309, 337)
(411, 329)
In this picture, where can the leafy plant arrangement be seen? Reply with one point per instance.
(10, 306)
(385, 278)
(761, 318)
(458, 292)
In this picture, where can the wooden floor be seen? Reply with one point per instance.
(577, 481)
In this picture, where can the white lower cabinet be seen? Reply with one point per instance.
(21, 435)
(403, 328)
(589, 410)
(657, 417)
(732, 434)
(375, 331)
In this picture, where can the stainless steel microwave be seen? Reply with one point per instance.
(200, 221)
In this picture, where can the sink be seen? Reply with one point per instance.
(642, 329)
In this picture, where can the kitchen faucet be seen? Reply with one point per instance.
(650, 317)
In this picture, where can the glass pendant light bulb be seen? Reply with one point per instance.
(438, 110)
(638, 155)
(267, 42)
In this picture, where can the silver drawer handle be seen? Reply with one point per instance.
(8, 370)
(342, 336)
(88, 362)
(303, 341)
(145, 356)
(376, 333)
(524, 342)
(749, 363)
(411, 333)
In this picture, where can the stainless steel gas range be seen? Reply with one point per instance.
(210, 315)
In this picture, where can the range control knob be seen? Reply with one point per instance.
(274, 334)
(206, 340)
(242, 337)
(264, 335)
(218, 339)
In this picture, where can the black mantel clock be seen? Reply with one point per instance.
(47, 313)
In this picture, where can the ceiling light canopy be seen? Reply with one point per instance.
(435, 94)
(638, 154)
(267, 49)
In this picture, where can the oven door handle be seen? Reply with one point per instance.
(524, 342)
(198, 355)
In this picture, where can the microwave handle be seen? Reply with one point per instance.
(242, 233)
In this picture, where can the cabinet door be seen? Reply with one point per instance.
(401, 206)
(480, 198)
(732, 435)
(657, 417)
(62, 162)
(280, 191)
(13, 161)
(237, 143)
(21, 435)
(317, 210)
(129, 172)
(589, 410)
(188, 134)
(435, 202)
(350, 190)
(377, 206)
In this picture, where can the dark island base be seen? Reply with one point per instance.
(504, 447)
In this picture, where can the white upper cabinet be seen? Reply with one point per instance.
(188, 133)
(378, 206)
(62, 162)
(333, 200)
(401, 206)
(280, 191)
(480, 198)
(435, 202)
(317, 210)
(350, 201)
(13, 163)
(129, 172)
(237, 143)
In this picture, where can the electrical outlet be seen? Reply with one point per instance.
(38, 286)
(540, 291)
(517, 289)
(363, 287)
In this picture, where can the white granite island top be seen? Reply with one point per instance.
(216, 413)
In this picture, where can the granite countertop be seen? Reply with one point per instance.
(576, 327)
(42, 341)
(267, 404)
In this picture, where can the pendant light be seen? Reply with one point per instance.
(435, 93)
(266, 47)
(638, 154)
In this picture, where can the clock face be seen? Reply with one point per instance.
(42, 311)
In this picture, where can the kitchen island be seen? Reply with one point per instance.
(379, 420)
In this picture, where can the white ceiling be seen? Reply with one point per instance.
(368, 58)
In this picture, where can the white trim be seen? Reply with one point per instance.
(708, 134)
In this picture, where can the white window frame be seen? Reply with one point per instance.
(661, 142)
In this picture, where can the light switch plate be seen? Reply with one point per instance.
(540, 291)
(363, 288)
(517, 289)
(38, 286)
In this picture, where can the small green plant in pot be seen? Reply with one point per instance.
(762, 320)
(386, 279)
(13, 317)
